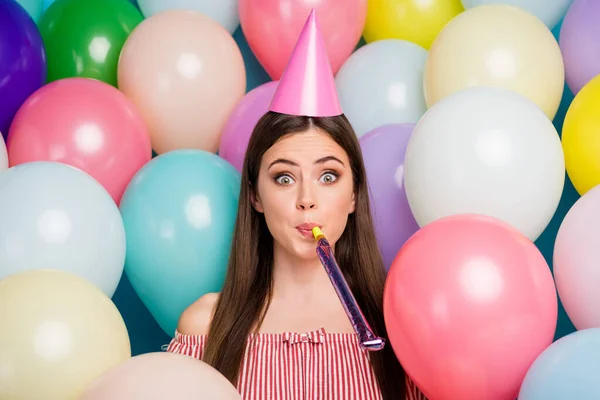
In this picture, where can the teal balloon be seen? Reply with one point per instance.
(567, 369)
(33, 7)
(179, 213)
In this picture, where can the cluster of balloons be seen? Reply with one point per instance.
(452, 102)
(483, 172)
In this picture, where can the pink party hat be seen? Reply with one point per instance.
(307, 86)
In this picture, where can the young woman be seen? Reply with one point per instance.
(278, 330)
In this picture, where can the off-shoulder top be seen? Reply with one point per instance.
(300, 366)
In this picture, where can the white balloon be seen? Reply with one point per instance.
(382, 83)
(225, 12)
(3, 155)
(486, 151)
(56, 216)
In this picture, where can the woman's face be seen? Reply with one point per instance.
(304, 180)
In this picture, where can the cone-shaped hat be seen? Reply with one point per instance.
(307, 86)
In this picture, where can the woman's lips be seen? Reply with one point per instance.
(305, 229)
(307, 233)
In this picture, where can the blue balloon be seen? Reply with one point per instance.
(567, 369)
(225, 12)
(22, 60)
(179, 213)
(549, 12)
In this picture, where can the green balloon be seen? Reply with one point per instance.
(84, 38)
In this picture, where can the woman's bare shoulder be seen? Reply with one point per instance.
(196, 319)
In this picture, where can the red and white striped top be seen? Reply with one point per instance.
(293, 366)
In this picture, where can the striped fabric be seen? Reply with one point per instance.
(292, 366)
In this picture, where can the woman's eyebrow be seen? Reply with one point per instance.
(283, 161)
(321, 160)
(329, 158)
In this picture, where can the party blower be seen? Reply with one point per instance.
(368, 340)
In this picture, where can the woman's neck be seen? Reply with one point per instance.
(299, 280)
(303, 298)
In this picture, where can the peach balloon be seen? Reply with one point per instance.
(161, 376)
(185, 74)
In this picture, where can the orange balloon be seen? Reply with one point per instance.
(161, 376)
(185, 74)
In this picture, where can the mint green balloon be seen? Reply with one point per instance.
(179, 212)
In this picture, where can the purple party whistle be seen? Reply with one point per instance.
(368, 340)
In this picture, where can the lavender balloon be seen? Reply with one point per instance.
(241, 122)
(22, 60)
(579, 43)
(383, 151)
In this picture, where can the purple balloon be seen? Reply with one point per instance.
(22, 60)
(579, 43)
(241, 123)
(383, 150)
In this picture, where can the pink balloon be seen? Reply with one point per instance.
(272, 29)
(469, 304)
(84, 123)
(241, 123)
(577, 261)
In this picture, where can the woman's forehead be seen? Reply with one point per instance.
(308, 145)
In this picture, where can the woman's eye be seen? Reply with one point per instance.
(329, 177)
(284, 180)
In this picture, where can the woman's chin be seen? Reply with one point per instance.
(305, 251)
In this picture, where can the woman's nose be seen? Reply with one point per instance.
(306, 198)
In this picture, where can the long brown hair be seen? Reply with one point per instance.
(248, 285)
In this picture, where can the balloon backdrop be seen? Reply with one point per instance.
(579, 43)
(182, 77)
(59, 333)
(223, 11)
(179, 212)
(568, 369)
(477, 49)
(186, 94)
(3, 155)
(414, 20)
(469, 304)
(550, 12)
(84, 37)
(576, 261)
(241, 122)
(22, 60)
(272, 30)
(84, 123)
(382, 83)
(56, 216)
(161, 376)
(580, 138)
(383, 151)
(485, 150)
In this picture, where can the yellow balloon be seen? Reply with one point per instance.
(581, 138)
(496, 45)
(58, 333)
(415, 21)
